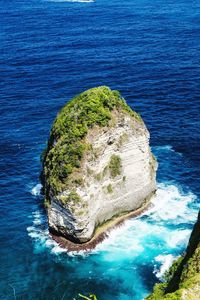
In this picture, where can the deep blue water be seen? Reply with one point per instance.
(50, 51)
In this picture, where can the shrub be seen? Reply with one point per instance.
(79, 181)
(72, 197)
(122, 139)
(109, 189)
(98, 177)
(115, 165)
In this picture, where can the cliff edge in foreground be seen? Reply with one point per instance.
(183, 278)
(98, 164)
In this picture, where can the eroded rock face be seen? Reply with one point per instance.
(116, 175)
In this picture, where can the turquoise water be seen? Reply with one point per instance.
(52, 50)
(136, 254)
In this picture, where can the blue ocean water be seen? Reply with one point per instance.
(52, 50)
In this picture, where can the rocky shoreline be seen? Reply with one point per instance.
(102, 231)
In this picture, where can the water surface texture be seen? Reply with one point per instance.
(52, 50)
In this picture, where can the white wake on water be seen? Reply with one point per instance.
(79, 1)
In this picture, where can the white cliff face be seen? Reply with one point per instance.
(117, 176)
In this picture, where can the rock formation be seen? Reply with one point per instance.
(98, 164)
(183, 278)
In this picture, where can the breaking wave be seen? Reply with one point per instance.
(36, 190)
(170, 204)
(170, 207)
(164, 262)
(154, 238)
(40, 235)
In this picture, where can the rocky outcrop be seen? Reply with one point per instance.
(98, 164)
(183, 278)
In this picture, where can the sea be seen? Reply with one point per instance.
(51, 51)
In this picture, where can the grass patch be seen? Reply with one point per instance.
(109, 189)
(115, 165)
(122, 139)
(78, 181)
(98, 177)
(72, 197)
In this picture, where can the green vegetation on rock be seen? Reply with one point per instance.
(122, 139)
(78, 181)
(109, 188)
(67, 146)
(183, 278)
(72, 197)
(115, 165)
(98, 176)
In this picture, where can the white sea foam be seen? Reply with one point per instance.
(151, 231)
(178, 238)
(161, 227)
(40, 235)
(134, 236)
(170, 204)
(36, 190)
(164, 262)
(79, 1)
(121, 240)
(56, 249)
(129, 240)
(82, 253)
(166, 148)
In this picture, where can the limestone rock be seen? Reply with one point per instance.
(98, 164)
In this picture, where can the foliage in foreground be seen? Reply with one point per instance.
(90, 297)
